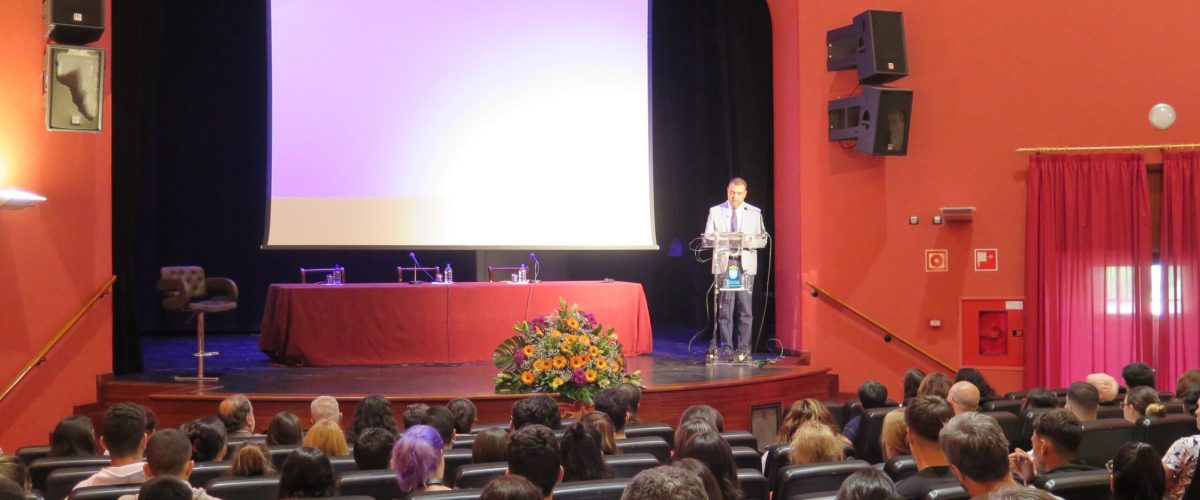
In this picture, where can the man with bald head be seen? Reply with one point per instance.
(964, 397)
(1105, 385)
(325, 408)
(237, 415)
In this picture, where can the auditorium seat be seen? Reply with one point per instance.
(824, 495)
(948, 493)
(1085, 485)
(866, 442)
(900, 468)
(653, 445)
(244, 488)
(628, 465)
(754, 484)
(1009, 423)
(1175, 408)
(777, 458)
(1161, 432)
(1101, 438)
(372, 483)
(104, 492)
(343, 464)
(740, 438)
(851, 409)
(1104, 412)
(203, 472)
(598, 489)
(814, 478)
(1016, 395)
(477, 428)
(747, 458)
(279, 453)
(28, 454)
(464, 441)
(40, 469)
(455, 458)
(836, 409)
(652, 429)
(478, 475)
(1009, 405)
(467, 494)
(60, 482)
(1026, 434)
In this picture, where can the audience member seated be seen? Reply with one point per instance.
(1142, 401)
(713, 451)
(284, 428)
(612, 403)
(633, 398)
(582, 459)
(306, 473)
(534, 410)
(711, 487)
(894, 438)
(975, 377)
(963, 397)
(169, 454)
(164, 488)
(151, 419)
(510, 488)
(464, 413)
(209, 442)
(13, 468)
(440, 418)
(373, 411)
(1039, 397)
(327, 437)
(912, 381)
(814, 443)
(1083, 401)
(1138, 374)
(1056, 438)
(550, 409)
(1180, 462)
(975, 446)
(373, 450)
(1188, 381)
(251, 460)
(419, 460)
(1106, 387)
(871, 394)
(665, 482)
(604, 426)
(238, 416)
(534, 454)
(934, 384)
(10, 490)
(1137, 473)
(413, 414)
(801, 412)
(868, 484)
(1021, 493)
(124, 436)
(74, 436)
(925, 416)
(686, 430)
(705, 413)
(491, 445)
(323, 408)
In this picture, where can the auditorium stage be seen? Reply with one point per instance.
(674, 380)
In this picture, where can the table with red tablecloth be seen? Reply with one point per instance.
(395, 323)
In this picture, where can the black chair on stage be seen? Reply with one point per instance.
(41, 468)
(186, 288)
(372, 483)
(754, 484)
(245, 488)
(627, 466)
(61, 481)
(653, 445)
(900, 468)
(814, 478)
(478, 475)
(1084, 485)
(1101, 438)
(598, 489)
(747, 458)
(455, 458)
(105, 492)
(740, 438)
(663, 431)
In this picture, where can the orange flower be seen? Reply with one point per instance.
(569, 338)
(577, 362)
(590, 375)
(564, 349)
(539, 331)
(601, 364)
(555, 333)
(572, 323)
(616, 367)
(583, 339)
(585, 358)
(529, 349)
(527, 378)
(593, 351)
(560, 362)
(541, 365)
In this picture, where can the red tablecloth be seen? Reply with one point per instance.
(393, 323)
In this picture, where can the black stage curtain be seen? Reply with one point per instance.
(190, 151)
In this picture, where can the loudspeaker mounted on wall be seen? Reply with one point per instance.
(873, 44)
(878, 118)
(77, 22)
(74, 88)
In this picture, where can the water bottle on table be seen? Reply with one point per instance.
(522, 275)
(449, 273)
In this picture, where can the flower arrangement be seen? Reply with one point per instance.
(566, 352)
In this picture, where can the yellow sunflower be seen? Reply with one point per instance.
(555, 333)
(601, 364)
(527, 378)
(593, 351)
(564, 349)
(559, 362)
(572, 323)
(583, 339)
(529, 349)
(539, 331)
(590, 375)
(557, 382)
(569, 338)
(541, 365)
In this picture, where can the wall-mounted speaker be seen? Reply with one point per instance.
(873, 44)
(878, 118)
(76, 22)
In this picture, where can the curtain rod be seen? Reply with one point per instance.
(1139, 147)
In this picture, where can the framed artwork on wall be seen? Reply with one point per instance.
(74, 88)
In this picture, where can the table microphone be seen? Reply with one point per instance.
(416, 265)
(537, 267)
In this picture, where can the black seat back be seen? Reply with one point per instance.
(454, 460)
(599, 489)
(740, 438)
(1026, 435)
(1009, 405)
(627, 466)
(467, 494)
(279, 453)
(105, 492)
(754, 484)
(746, 458)
(836, 409)
(28, 454)
(777, 458)
(653, 445)
(342, 464)
(62, 481)
(464, 441)
(1101, 438)
(663, 431)
(1084, 485)
(1104, 412)
(901, 467)
(1161, 432)
(203, 472)
(379, 484)
(948, 493)
(866, 442)
(40, 469)
(851, 409)
(815, 478)
(244, 488)
(1009, 423)
(478, 475)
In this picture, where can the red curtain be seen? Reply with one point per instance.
(1087, 267)
(1179, 253)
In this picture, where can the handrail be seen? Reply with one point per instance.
(40, 357)
(889, 335)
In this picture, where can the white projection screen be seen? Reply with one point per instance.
(460, 124)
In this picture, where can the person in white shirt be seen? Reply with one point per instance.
(734, 309)
(124, 438)
(169, 454)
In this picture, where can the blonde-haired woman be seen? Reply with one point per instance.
(326, 436)
(894, 440)
(814, 443)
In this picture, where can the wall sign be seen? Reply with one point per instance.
(987, 259)
(937, 261)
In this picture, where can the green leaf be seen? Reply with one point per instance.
(502, 358)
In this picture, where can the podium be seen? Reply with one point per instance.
(725, 245)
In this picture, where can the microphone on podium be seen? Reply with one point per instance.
(537, 267)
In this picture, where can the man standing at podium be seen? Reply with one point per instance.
(734, 308)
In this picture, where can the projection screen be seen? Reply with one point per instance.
(472, 124)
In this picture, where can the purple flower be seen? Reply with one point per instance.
(519, 357)
(591, 318)
(579, 377)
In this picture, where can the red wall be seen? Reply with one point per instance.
(55, 256)
(988, 77)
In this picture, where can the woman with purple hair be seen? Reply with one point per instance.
(418, 461)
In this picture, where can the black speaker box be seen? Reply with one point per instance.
(76, 22)
(878, 118)
(873, 44)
